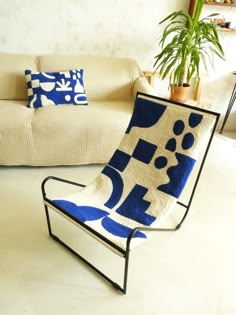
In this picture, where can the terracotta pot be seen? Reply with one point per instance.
(179, 93)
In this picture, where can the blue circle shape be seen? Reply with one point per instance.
(188, 141)
(195, 119)
(178, 127)
(161, 162)
(171, 145)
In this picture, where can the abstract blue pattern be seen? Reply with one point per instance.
(195, 119)
(55, 88)
(188, 141)
(117, 186)
(146, 173)
(160, 162)
(134, 207)
(144, 151)
(118, 229)
(81, 213)
(178, 175)
(171, 145)
(119, 160)
(178, 127)
(146, 114)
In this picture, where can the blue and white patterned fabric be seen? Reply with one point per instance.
(55, 88)
(145, 176)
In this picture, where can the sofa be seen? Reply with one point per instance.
(66, 134)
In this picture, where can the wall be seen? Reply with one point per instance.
(110, 27)
(218, 84)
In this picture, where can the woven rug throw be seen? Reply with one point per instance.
(146, 174)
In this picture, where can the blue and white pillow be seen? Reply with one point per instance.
(55, 88)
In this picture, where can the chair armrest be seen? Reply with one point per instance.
(59, 180)
(141, 85)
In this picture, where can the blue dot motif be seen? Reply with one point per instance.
(161, 162)
(188, 141)
(178, 127)
(171, 145)
(194, 120)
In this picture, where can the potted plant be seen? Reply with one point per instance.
(186, 42)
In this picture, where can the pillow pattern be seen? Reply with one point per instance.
(55, 88)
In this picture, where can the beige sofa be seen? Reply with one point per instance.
(66, 134)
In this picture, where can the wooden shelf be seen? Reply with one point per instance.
(227, 30)
(221, 4)
(224, 30)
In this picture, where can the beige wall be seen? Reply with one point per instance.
(111, 27)
(219, 83)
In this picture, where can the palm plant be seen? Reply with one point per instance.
(186, 42)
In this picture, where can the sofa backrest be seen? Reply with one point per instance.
(12, 78)
(105, 77)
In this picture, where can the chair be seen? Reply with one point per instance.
(139, 186)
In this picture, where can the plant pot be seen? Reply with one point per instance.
(179, 93)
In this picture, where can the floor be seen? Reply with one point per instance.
(191, 271)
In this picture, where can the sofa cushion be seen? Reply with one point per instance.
(16, 137)
(12, 79)
(61, 135)
(55, 88)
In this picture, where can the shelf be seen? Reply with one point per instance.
(221, 4)
(230, 5)
(227, 30)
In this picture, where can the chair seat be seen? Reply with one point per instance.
(113, 224)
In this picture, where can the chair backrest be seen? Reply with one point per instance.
(147, 173)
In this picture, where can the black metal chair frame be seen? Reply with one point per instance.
(124, 253)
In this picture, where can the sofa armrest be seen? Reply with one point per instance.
(141, 85)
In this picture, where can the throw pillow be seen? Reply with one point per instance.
(55, 88)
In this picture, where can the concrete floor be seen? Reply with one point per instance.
(191, 271)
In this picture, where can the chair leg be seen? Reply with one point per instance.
(48, 220)
(126, 272)
(99, 272)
